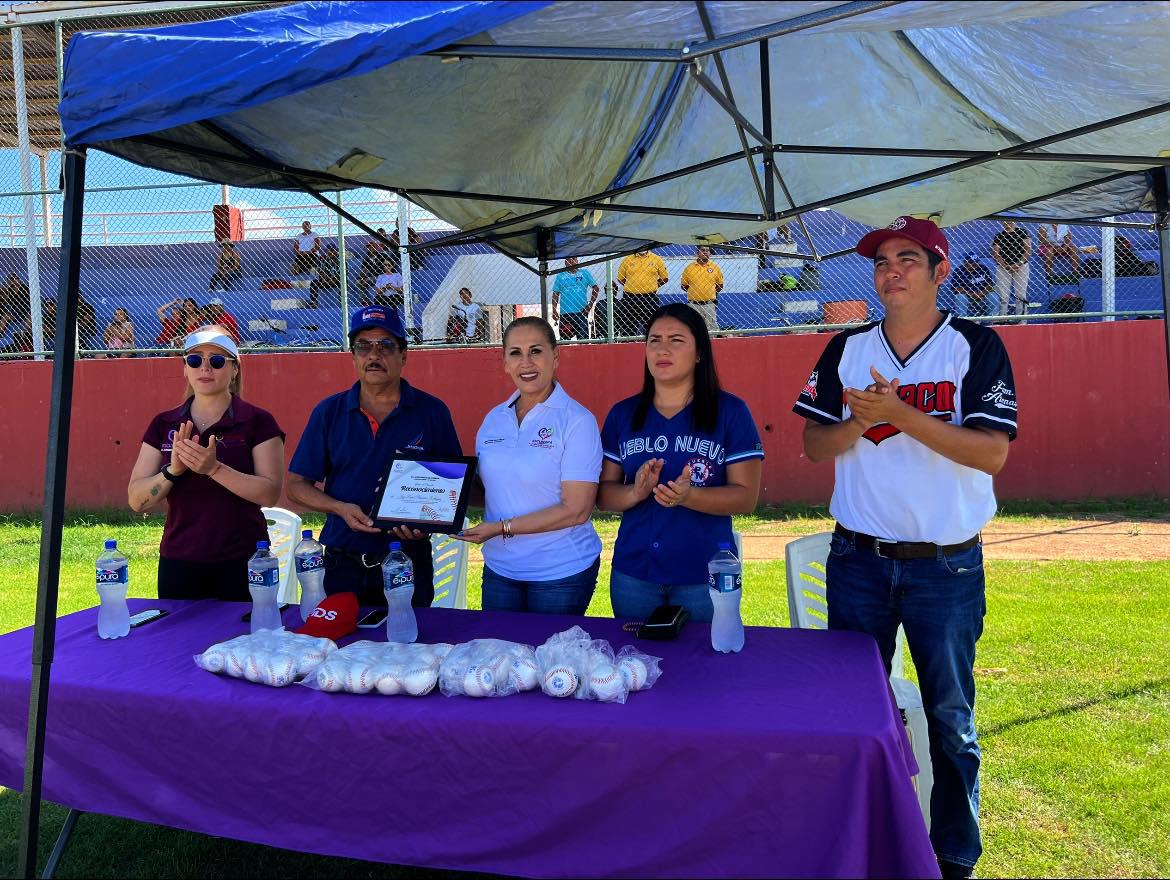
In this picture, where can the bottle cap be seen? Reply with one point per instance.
(306, 533)
(111, 544)
(261, 545)
(395, 546)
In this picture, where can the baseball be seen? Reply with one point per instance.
(213, 660)
(478, 681)
(501, 665)
(560, 682)
(308, 661)
(525, 675)
(605, 682)
(329, 677)
(386, 680)
(420, 681)
(254, 665)
(633, 672)
(280, 670)
(360, 679)
(234, 662)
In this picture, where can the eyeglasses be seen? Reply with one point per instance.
(216, 361)
(384, 347)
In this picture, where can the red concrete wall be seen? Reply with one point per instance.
(1094, 408)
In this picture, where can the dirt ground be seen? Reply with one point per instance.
(1081, 539)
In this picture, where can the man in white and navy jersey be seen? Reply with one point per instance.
(916, 411)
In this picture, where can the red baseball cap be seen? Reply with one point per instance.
(925, 232)
(335, 617)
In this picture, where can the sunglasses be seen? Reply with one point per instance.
(384, 347)
(216, 361)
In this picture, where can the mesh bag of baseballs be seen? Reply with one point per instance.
(639, 671)
(488, 668)
(386, 668)
(269, 657)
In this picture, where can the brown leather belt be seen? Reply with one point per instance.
(903, 550)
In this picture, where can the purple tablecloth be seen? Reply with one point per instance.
(787, 759)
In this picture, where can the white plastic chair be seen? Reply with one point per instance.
(449, 556)
(284, 531)
(804, 561)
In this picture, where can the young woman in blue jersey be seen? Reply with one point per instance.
(539, 460)
(681, 457)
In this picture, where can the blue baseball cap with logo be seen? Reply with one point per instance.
(370, 317)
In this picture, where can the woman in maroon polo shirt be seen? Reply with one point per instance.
(215, 460)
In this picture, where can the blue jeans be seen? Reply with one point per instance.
(940, 602)
(636, 599)
(561, 596)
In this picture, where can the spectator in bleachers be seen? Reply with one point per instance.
(464, 319)
(973, 281)
(217, 314)
(573, 295)
(306, 247)
(388, 287)
(1056, 242)
(119, 333)
(173, 322)
(1010, 249)
(228, 268)
(641, 275)
(14, 305)
(701, 282)
(417, 258)
(328, 275)
(371, 267)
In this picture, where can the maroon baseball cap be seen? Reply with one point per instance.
(922, 231)
(335, 617)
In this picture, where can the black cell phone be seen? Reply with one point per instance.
(145, 617)
(373, 618)
(663, 623)
(247, 616)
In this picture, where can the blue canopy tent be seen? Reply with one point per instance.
(584, 128)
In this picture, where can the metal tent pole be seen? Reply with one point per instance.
(1162, 206)
(542, 250)
(53, 512)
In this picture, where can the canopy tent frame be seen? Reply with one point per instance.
(496, 232)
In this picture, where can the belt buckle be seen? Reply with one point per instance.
(369, 565)
(877, 549)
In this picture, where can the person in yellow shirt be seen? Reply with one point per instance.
(702, 281)
(640, 275)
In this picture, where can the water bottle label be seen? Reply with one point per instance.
(406, 576)
(113, 576)
(308, 564)
(725, 582)
(264, 577)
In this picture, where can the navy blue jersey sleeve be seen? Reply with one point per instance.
(311, 459)
(821, 397)
(741, 439)
(616, 421)
(988, 397)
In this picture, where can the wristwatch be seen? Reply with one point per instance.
(173, 478)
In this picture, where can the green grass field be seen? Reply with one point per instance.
(1074, 711)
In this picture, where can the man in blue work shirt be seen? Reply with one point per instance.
(573, 295)
(350, 439)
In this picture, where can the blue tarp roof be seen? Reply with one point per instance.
(346, 94)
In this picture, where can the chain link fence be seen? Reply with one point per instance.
(162, 254)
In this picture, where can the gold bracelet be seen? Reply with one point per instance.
(506, 529)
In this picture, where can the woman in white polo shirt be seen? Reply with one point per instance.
(539, 459)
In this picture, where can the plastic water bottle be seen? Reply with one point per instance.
(263, 580)
(398, 585)
(310, 561)
(725, 582)
(113, 582)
